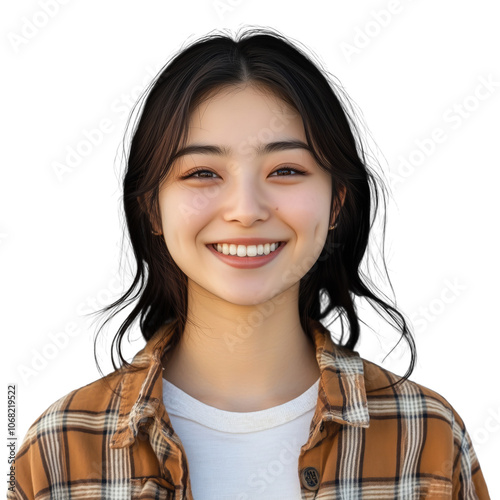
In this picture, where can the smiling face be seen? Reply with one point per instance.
(277, 195)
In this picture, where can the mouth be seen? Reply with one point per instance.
(247, 250)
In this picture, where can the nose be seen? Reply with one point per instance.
(246, 200)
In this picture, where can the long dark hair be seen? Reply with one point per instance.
(265, 58)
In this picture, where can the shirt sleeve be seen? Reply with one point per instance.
(468, 479)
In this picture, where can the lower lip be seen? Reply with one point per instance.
(247, 262)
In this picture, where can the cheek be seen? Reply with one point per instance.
(169, 202)
(304, 210)
(183, 213)
(177, 208)
(307, 213)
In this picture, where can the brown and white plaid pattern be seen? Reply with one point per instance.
(404, 443)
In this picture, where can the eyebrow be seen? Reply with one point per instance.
(262, 149)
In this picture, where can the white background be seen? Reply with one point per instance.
(409, 71)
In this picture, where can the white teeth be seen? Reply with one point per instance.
(246, 251)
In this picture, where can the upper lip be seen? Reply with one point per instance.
(247, 241)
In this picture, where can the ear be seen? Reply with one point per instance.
(336, 209)
(143, 202)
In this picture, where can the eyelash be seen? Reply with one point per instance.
(198, 170)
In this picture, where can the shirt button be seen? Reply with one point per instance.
(309, 478)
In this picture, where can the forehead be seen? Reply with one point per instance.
(244, 113)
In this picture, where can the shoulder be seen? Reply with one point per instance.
(377, 378)
(410, 400)
(83, 407)
(77, 425)
(425, 420)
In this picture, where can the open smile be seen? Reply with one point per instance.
(246, 256)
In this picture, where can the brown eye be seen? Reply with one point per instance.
(195, 174)
(289, 169)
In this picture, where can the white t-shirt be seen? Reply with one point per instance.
(242, 456)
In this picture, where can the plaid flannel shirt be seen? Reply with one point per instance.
(405, 442)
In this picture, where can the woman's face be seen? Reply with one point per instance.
(242, 195)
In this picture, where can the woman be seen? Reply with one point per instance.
(248, 201)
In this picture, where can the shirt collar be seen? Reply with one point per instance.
(341, 393)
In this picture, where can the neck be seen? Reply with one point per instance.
(242, 358)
